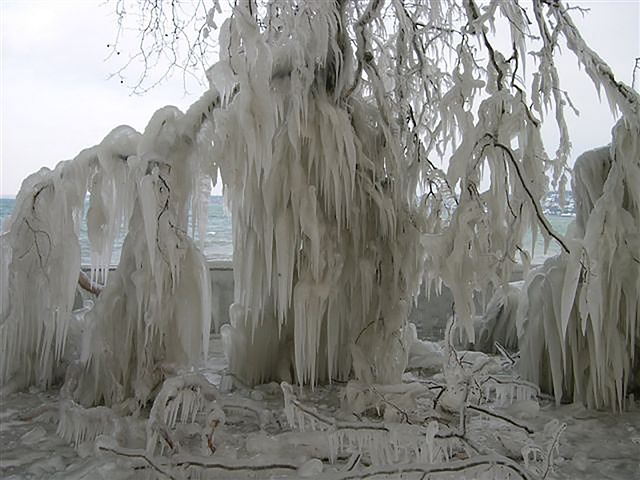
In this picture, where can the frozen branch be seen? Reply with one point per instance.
(424, 470)
(619, 93)
(499, 416)
(536, 205)
(106, 444)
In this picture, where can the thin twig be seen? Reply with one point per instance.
(499, 416)
(536, 205)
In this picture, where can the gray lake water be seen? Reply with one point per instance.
(218, 243)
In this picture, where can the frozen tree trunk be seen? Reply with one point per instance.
(327, 251)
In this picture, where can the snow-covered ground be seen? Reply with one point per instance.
(595, 444)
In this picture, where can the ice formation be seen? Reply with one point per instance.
(382, 442)
(497, 327)
(579, 318)
(576, 319)
(155, 309)
(187, 395)
(41, 253)
(325, 151)
(158, 297)
(426, 435)
(327, 252)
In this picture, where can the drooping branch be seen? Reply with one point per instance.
(536, 204)
(622, 96)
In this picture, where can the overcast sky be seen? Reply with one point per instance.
(57, 97)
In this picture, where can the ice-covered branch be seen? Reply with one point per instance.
(363, 55)
(418, 471)
(534, 201)
(187, 394)
(174, 467)
(107, 444)
(618, 94)
(499, 416)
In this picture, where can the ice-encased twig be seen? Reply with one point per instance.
(382, 442)
(187, 395)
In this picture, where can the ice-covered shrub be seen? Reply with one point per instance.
(155, 308)
(41, 253)
(182, 398)
(579, 318)
(158, 297)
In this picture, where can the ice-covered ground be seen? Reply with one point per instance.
(595, 444)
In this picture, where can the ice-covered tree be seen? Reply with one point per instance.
(579, 319)
(327, 121)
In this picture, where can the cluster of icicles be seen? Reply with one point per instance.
(327, 251)
(579, 315)
(155, 307)
(327, 254)
(329, 237)
(576, 319)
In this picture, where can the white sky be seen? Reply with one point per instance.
(56, 97)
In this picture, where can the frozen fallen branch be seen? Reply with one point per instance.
(500, 416)
(189, 462)
(106, 444)
(421, 471)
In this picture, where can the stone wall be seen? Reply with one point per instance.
(430, 313)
